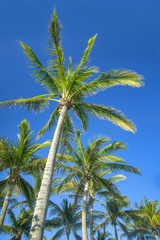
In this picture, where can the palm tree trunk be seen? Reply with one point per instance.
(91, 218)
(38, 221)
(115, 230)
(84, 211)
(67, 236)
(5, 205)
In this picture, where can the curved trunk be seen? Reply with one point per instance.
(115, 230)
(91, 218)
(5, 205)
(84, 211)
(38, 221)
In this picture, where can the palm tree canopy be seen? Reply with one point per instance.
(149, 216)
(20, 157)
(20, 225)
(67, 219)
(70, 86)
(93, 163)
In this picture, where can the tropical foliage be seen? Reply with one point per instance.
(85, 169)
(18, 158)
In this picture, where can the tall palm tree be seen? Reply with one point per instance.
(68, 87)
(68, 219)
(90, 165)
(18, 158)
(20, 225)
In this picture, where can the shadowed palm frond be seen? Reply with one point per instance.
(81, 114)
(51, 123)
(58, 234)
(67, 133)
(27, 190)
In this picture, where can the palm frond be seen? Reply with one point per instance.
(40, 73)
(58, 234)
(27, 190)
(113, 147)
(34, 166)
(123, 167)
(37, 104)
(82, 71)
(110, 79)
(113, 115)
(12, 218)
(81, 114)
(56, 64)
(67, 133)
(51, 122)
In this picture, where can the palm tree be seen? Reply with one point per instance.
(18, 226)
(135, 231)
(68, 219)
(68, 87)
(90, 165)
(149, 216)
(114, 210)
(17, 158)
(104, 236)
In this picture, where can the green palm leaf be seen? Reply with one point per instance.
(110, 79)
(111, 114)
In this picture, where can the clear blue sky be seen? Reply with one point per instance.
(128, 37)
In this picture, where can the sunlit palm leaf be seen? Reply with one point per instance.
(111, 114)
(110, 79)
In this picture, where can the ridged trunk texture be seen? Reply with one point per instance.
(84, 211)
(115, 230)
(38, 221)
(91, 219)
(5, 205)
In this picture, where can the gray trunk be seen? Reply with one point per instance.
(84, 212)
(91, 219)
(5, 205)
(115, 230)
(38, 221)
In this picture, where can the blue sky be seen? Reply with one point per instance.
(128, 37)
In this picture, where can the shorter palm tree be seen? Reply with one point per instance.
(19, 226)
(90, 166)
(115, 211)
(18, 158)
(68, 220)
(149, 216)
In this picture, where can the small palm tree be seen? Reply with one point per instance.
(149, 215)
(68, 220)
(115, 210)
(134, 231)
(68, 86)
(90, 165)
(18, 158)
(18, 226)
